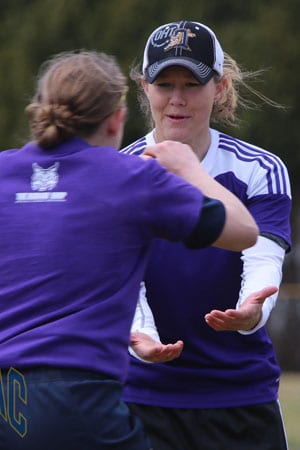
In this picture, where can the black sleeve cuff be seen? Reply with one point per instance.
(281, 242)
(209, 226)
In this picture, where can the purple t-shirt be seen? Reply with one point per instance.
(76, 223)
(215, 369)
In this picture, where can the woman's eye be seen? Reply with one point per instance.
(163, 85)
(191, 85)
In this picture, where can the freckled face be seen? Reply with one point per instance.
(181, 107)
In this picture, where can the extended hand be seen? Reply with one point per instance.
(245, 318)
(152, 351)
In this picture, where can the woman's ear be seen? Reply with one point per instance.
(145, 86)
(115, 122)
(221, 88)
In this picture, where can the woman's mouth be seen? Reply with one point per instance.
(176, 117)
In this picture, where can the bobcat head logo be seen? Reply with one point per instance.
(44, 179)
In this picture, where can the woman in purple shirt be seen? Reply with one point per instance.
(222, 391)
(76, 222)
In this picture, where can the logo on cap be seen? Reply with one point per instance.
(180, 38)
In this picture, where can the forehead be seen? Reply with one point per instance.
(176, 72)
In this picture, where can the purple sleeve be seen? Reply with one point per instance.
(174, 205)
(272, 214)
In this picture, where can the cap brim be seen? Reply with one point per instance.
(201, 71)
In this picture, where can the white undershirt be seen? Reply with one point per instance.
(262, 266)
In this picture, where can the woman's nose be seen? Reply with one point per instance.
(178, 97)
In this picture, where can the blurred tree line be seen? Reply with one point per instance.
(259, 35)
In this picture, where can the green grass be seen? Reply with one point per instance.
(289, 396)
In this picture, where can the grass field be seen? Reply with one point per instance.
(289, 395)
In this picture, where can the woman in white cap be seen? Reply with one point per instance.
(222, 391)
